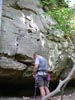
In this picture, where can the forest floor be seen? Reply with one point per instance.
(65, 97)
(27, 98)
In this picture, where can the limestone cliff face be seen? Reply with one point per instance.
(24, 30)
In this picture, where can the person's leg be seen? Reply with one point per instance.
(46, 90)
(46, 86)
(42, 91)
(41, 86)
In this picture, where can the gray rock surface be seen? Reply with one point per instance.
(25, 30)
(21, 32)
(9, 64)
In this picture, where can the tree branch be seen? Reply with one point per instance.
(61, 83)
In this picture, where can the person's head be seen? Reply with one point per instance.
(35, 54)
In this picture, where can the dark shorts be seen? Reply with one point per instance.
(42, 81)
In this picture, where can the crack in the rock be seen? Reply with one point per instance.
(7, 17)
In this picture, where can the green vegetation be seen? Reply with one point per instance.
(59, 10)
(50, 3)
(63, 17)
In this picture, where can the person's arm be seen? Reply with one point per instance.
(35, 66)
(35, 69)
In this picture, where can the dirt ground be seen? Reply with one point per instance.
(64, 98)
(68, 97)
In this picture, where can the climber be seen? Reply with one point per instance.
(40, 73)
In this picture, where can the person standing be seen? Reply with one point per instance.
(40, 73)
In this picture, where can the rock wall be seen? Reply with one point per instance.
(0, 19)
(26, 29)
(23, 25)
(23, 31)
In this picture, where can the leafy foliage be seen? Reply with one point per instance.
(53, 3)
(61, 13)
(62, 17)
(48, 2)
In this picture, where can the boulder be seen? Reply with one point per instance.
(25, 29)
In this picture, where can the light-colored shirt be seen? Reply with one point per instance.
(42, 65)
